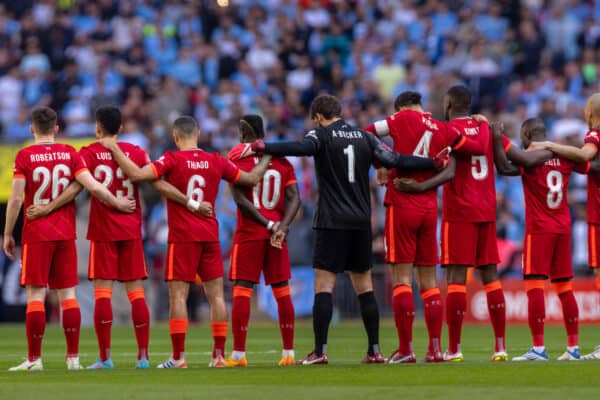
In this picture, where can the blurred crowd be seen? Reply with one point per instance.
(220, 59)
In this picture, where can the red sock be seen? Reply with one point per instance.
(285, 309)
(103, 317)
(433, 310)
(35, 325)
(219, 331)
(404, 315)
(536, 309)
(570, 311)
(178, 329)
(71, 322)
(456, 306)
(240, 315)
(141, 320)
(497, 311)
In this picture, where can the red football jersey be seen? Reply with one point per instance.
(48, 168)
(268, 197)
(545, 187)
(198, 174)
(418, 134)
(593, 188)
(106, 223)
(471, 195)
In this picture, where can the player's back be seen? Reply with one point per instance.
(197, 174)
(415, 133)
(545, 188)
(471, 195)
(343, 158)
(48, 168)
(268, 196)
(106, 223)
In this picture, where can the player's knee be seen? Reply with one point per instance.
(242, 283)
(279, 284)
(402, 274)
(488, 274)
(456, 274)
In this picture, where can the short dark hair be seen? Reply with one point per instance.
(109, 118)
(186, 125)
(251, 126)
(408, 98)
(535, 124)
(43, 119)
(460, 98)
(327, 105)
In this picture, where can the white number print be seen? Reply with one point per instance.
(104, 174)
(349, 152)
(194, 188)
(58, 178)
(554, 180)
(271, 182)
(479, 167)
(422, 149)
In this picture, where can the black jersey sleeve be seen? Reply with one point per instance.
(306, 147)
(384, 156)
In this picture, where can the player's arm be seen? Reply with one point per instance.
(68, 195)
(170, 192)
(472, 147)
(387, 158)
(518, 157)
(380, 128)
(130, 168)
(13, 207)
(292, 205)
(576, 154)
(503, 165)
(409, 185)
(252, 178)
(247, 207)
(98, 190)
(306, 147)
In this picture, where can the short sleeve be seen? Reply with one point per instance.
(290, 176)
(454, 138)
(20, 168)
(77, 163)
(163, 165)
(506, 144)
(592, 137)
(229, 171)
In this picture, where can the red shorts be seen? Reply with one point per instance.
(249, 258)
(52, 264)
(410, 236)
(185, 260)
(547, 254)
(117, 261)
(593, 245)
(472, 244)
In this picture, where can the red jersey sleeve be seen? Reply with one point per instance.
(229, 171)
(592, 137)
(476, 146)
(20, 168)
(290, 178)
(77, 163)
(506, 144)
(142, 158)
(163, 165)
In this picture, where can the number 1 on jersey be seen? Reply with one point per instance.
(349, 152)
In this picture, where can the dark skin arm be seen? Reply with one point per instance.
(292, 205)
(246, 206)
(503, 165)
(409, 185)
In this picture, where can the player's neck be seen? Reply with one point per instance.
(44, 139)
(458, 115)
(327, 122)
(187, 146)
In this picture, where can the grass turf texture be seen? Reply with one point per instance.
(343, 378)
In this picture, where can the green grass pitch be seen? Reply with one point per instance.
(343, 378)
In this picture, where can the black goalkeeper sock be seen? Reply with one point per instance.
(370, 315)
(322, 312)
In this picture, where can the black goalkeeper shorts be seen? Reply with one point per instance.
(343, 250)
